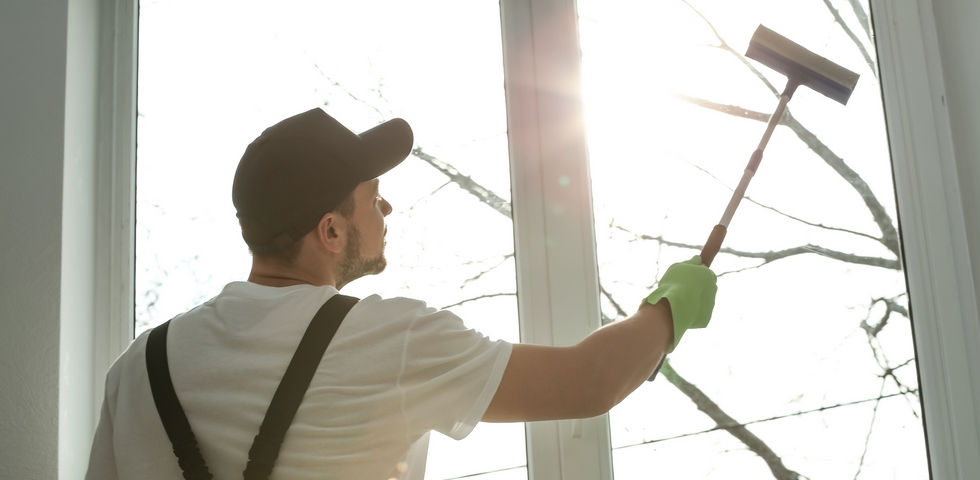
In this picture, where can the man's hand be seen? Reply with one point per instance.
(690, 289)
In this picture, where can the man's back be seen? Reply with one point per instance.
(394, 370)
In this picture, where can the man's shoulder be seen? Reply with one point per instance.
(405, 312)
(127, 366)
(390, 309)
(394, 305)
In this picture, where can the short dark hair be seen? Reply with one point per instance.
(287, 256)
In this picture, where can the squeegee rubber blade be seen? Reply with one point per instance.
(789, 58)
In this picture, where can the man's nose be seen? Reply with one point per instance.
(385, 207)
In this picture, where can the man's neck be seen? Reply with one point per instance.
(273, 281)
(276, 276)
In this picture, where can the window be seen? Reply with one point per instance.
(236, 68)
(908, 54)
(810, 345)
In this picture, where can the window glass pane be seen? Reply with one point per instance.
(810, 346)
(214, 74)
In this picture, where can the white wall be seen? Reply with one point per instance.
(33, 39)
(47, 110)
(76, 378)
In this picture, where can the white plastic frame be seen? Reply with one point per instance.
(943, 297)
(554, 231)
(115, 246)
(554, 235)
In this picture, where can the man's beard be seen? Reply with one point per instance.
(354, 265)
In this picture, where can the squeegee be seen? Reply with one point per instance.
(801, 67)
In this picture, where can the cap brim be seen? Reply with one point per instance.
(387, 145)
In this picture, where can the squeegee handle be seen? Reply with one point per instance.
(713, 245)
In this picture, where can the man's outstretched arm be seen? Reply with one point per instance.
(588, 379)
(585, 380)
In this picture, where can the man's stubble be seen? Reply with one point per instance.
(354, 265)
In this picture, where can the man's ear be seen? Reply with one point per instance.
(331, 231)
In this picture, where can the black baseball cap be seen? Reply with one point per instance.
(305, 166)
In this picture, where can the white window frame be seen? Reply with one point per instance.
(557, 279)
(115, 246)
(554, 234)
(942, 294)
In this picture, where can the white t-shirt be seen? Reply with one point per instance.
(395, 370)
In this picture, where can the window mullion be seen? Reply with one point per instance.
(115, 251)
(558, 294)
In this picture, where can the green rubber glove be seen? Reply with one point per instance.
(690, 289)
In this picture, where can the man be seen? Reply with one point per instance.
(308, 200)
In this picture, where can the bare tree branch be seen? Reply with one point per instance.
(877, 351)
(479, 297)
(348, 92)
(481, 274)
(780, 212)
(763, 420)
(850, 33)
(722, 44)
(867, 439)
(725, 421)
(482, 193)
(862, 18)
(772, 256)
(894, 306)
(891, 306)
(881, 217)
(425, 197)
(489, 472)
(619, 309)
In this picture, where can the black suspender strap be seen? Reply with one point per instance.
(265, 448)
(285, 402)
(171, 413)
